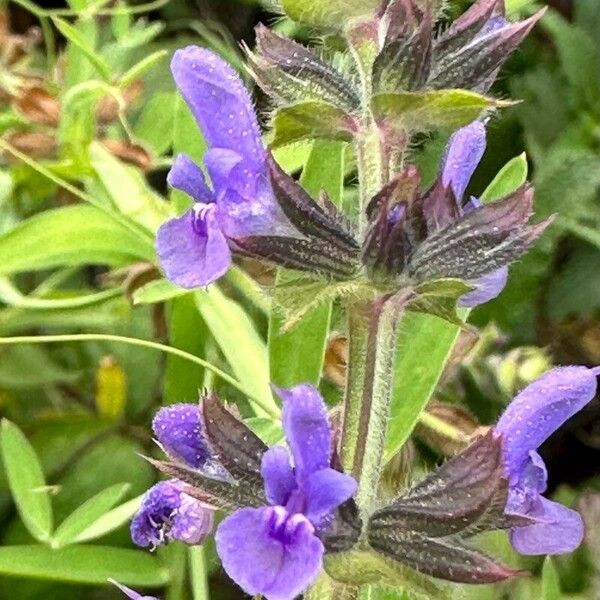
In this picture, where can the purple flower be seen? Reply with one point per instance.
(131, 593)
(539, 410)
(275, 550)
(167, 512)
(463, 153)
(195, 249)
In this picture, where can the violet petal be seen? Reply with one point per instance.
(178, 428)
(325, 490)
(266, 551)
(487, 287)
(540, 409)
(463, 153)
(559, 531)
(219, 102)
(278, 475)
(187, 176)
(191, 256)
(306, 427)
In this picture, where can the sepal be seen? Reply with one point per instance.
(426, 528)
(474, 66)
(291, 73)
(231, 477)
(324, 245)
(485, 239)
(404, 63)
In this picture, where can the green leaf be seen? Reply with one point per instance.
(78, 67)
(155, 125)
(425, 342)
(436, 109)
(31, 367)
(328, 13)
(77, 126)
(157, 290)
(239, 341)
(268, 430)
(70, 236)
(296, 356)
(439, 297)
(83, 564)
(87, 514)
(26, 481)
(310, 120)
(510, 177)
(13, 297)
(141, 68)
(188, 332)
(550, 581)
(579, 57)
(113, 519)
(76, 38)
(128, 189)
(424, 346)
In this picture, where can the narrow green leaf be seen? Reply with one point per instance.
(550, 581)
(13, 297)
(78, 67)
(83, 564)
(128, 190)
(296, 356)
(239, 341)
(141, 68)
(79, 40)
(158, 290)
(188, 332)
(425, 342)
(26, 481)
(70, 236)
(113, 519)
(87, 514)
(310, 120)
(422, 111)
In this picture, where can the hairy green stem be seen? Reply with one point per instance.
(371, 163)
(372, 346)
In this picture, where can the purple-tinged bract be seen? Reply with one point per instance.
(537, 412)
(276, 551)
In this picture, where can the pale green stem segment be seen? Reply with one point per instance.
(199, 573)
(371, 163)
(372, 347)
